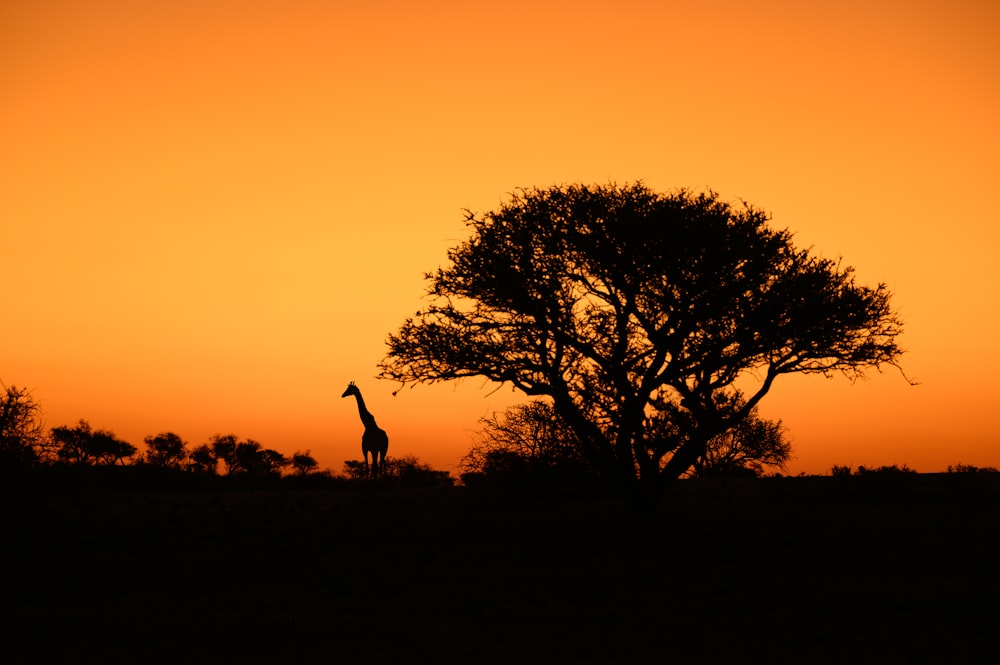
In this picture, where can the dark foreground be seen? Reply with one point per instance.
(775, 571)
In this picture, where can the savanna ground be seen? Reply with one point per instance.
(784, 570)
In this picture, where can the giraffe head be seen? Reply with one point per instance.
(351, 390)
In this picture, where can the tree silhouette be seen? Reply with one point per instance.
(244, 457)
(223, 448)
(108, 449)
(525, 443)
(264, 461)
(82, 445)
(166, 450)
(22, 433)
(72, 443)
(624, 305)
(248, 458)
(203, 460)
(747, 448)
(303, 463)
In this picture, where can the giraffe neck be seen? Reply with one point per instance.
(367, 419)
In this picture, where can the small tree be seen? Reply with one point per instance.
(22, 433)
(269, 462)
(166, 450)
(303, 463)
(73, 443)
(82, 445)
(203, 460)
(246, 457)
(110, 450)
(224, 448)
(525, 440)
(622, 304)
(750, 446)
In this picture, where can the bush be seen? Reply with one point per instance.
(969, 468)
(406, 471)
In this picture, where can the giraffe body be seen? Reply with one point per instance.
(374, 440)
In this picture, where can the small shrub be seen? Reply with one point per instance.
(969, 468)
(893, 470)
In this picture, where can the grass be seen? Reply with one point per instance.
(789, 570)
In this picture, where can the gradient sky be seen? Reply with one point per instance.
(214, 212)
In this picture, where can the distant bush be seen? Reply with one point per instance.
(969, 468)
(406, 471)
(893, 470)
(881, 471)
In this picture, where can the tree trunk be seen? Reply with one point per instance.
(644, 493)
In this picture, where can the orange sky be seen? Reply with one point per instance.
(213, 212)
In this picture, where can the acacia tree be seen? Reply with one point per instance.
(223, 447)
(167, 450)
(243, 457)
(203, 460)
(82, 445)
(627, 307)
(303, 463)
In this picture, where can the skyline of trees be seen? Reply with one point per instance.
(25, 443)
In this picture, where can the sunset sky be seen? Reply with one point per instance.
(213, 212)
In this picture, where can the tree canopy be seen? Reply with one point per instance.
(653, 321)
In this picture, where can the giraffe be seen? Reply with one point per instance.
(374, 440)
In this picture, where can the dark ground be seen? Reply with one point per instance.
(795, 570)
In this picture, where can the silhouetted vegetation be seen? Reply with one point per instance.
(969, 468)
(80, 457)
(82, 445)
(21, 429)
(246, 457)
(752, 447)
(303, 463)
(406, 471)
(113, 555)
(893, 470)
(529, 445)
(526, 445)
(166, 450)
(637, 313)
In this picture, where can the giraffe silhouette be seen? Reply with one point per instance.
(374, 440)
